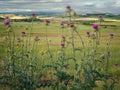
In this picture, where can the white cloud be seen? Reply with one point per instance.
(112, 6)
(100, 6)
(117, 4)
(58, 0)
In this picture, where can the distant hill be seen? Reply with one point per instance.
(29, 13)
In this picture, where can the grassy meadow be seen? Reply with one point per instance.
(54, 37)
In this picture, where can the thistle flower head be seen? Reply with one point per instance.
(68, 23)
(68, 8)
(6, 22)
(88, 33)
(62, 44)
(36, 38)
(33, 14)
(72, 25)
(100, 16)
(63, 36)
(111, 35)
(47, 21)
(116, 65)
(18, 39)
(66, 65)
(93, 36)
(62, 24)
(23, 33)
(95, 26)
(6, 17)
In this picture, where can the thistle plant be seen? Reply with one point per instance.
(47, 41)
(20, 68)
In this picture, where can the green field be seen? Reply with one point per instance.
(54, 37)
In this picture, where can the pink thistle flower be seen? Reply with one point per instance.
(68, 7)
(62, 24)
(66, 65)
(63, 36)
(18, 39)
(116, 65)
(7, 17)
(47, 21)
(88, 33)
(62, 44)
(72, 25)
(33, 14)
(95, 26)
(37, 38)
(93, 36)
(68, 23)
(100, 16)
(23, 33)
(111, 35)
(6, 22)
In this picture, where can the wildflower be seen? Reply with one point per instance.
(7, 17)
(18, 39)
(72, 26)
(66, 65)
(88, 34)
(111, 35)
(6, 22)
(63, 36)
(93, 36)
(62, 44)
(68, 23)
(36, 38)
(62, 24)
(47, 21)
(116, 65)
(33, 14)
(68, 8)
(100, 16)
(23, 33)
(95, 26)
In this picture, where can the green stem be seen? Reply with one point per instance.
(73, 46)
(81, 41)
(48, 47)
(70, 16)
(107, 57)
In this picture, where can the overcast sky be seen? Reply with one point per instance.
(80, 6)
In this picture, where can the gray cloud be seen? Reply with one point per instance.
(81, 6)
